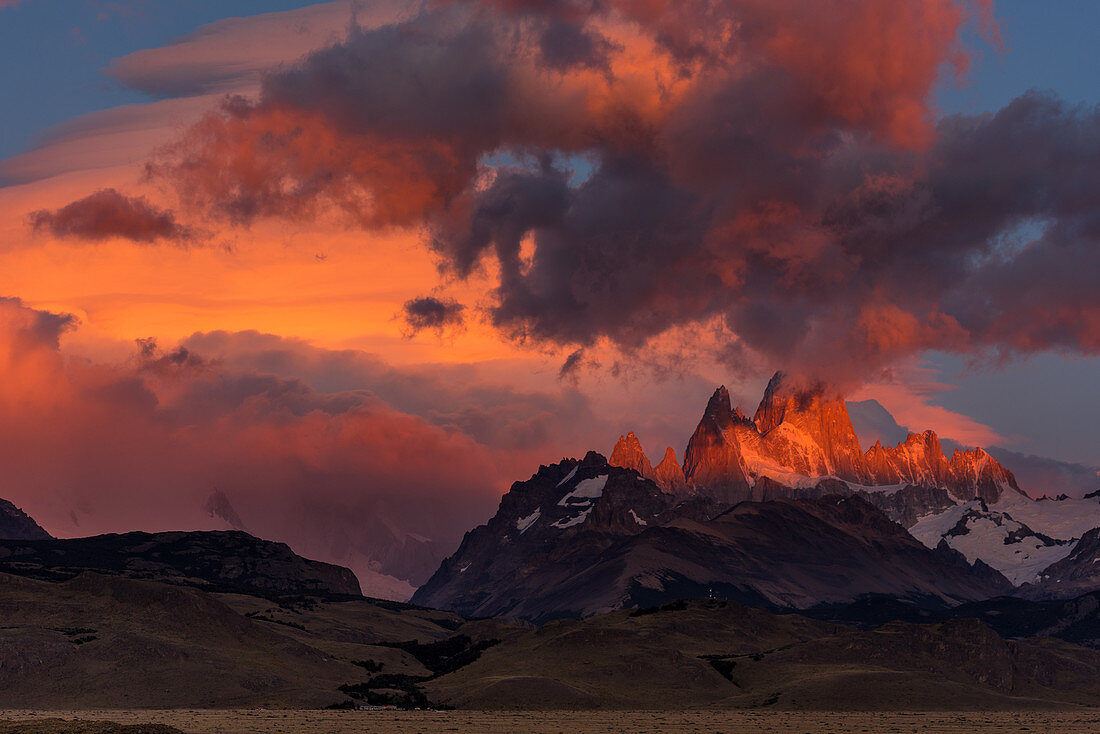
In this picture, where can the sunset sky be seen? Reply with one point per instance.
(374, 261)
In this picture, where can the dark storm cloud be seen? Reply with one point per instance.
(745, 168)
(435, 314)
(565, 45)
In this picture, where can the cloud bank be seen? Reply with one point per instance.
(203, 436)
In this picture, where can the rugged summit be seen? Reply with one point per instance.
(919, 459)
(669, 474)
(713, 457)
(628, 454)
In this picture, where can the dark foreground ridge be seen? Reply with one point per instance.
(212, 560)
(77, 644)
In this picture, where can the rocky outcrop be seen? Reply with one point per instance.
(18, 525)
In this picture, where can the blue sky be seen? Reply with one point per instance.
(54, 51)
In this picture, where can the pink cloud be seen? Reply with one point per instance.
(908, 399)
(340, 475)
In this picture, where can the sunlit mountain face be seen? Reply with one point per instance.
(338, 274)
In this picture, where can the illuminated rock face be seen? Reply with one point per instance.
(821, 417)
(799, 435)
(669, 474)
(629, 455)
(713, 460)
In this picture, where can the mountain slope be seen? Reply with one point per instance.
(1076, 573)
(18, 525)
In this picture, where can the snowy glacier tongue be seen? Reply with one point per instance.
(1068, 518)
(1017, 536)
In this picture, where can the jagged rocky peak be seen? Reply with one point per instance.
(802, 431)
(974, 474)
(713, 463)
(718, 407)
(819, 414)
(669, 474)
(628, 454)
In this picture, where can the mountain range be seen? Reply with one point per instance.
(779, 565)
(781, 510)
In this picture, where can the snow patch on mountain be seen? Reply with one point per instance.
(1067, 518)
(524, 523)
(978, 531)
(570, 475)
(586, 490)
(568, 522)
